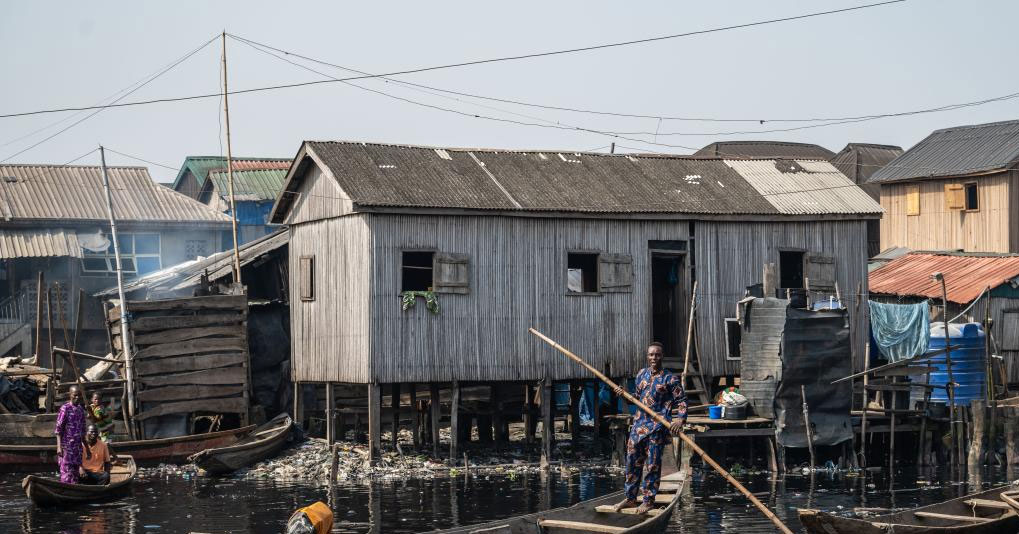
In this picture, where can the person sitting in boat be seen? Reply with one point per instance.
(95, 467)
(663, 392)
(100, 416)
(70, 432)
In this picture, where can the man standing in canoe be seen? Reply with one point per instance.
(70, 433)
(661, 391)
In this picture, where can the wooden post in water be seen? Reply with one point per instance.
(529, 424)
(435, 409)
(498, 417)
(454, 424)
(298, 416)
(374, 423)
(978, 411)
(866, 401)
(806, 426)
(330, 414)
(1011, 435)
(547, 421)
(394, 403)
(415, 428)
(891, 429)
(955, 452)
(576, 392)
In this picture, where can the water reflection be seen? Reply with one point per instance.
(172, 505)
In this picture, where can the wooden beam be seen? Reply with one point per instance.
(435, 407)
(529, 423)
(415, 427)
(224, 375)
(187, 363)
(454, 423)
(185, 392)
(184, 334)
(232, 405)
(547, 421)
(611, 509)
(949, 517)
(216, 344)
(173, 322)
(212, 302)
(374, 423)
(581, 526)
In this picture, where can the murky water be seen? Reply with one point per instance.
(176, 505)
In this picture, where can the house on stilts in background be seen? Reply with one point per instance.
(416, 268)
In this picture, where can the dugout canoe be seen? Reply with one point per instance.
(265, 442)
(47, 491)
(146, 452)
(588, 516)
(978, 513)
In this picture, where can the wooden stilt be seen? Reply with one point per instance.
(485, 428)
(547, 422)
(575, 397)
(529, 423)
(330, 414)
(341, 426)
(866, 401)
(772, 460)
(807, 429)
(394, 404)
(598, 429)
(1011, 435)
(298, 409)
(454, 424)
(435, 411)
(891, 431)
(498, 418)
(415, 424)
(978, 410)
(374, 423)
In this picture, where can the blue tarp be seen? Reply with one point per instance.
(900, 330)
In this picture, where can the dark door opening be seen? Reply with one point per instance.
(669, 303)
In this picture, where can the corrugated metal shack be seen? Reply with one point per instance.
(597, 251)
(958, 189)
(54, 221)
(968, 276)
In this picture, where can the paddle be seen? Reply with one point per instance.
(689, 442)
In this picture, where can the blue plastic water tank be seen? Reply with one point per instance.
(968, 369)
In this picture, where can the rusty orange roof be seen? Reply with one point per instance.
(966, 274)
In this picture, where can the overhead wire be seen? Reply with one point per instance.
(472, 62)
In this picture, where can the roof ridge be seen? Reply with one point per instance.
(975, 126)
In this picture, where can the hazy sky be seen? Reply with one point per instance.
(901, 57)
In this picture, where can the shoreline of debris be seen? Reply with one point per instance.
(311, 461)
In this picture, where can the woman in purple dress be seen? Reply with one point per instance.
(70, 433)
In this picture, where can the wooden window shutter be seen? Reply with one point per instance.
(954, 197)
(451, 273)
(820, 272)
(307, 280)
(615, 273)
(912, 200)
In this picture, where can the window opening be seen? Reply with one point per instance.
(733, 337)
(972, 200)
(790, 266)
(581, 272)
(307, 278)
(139, 254)
(417, 270)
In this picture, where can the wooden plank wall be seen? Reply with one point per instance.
(730, 256)
(939, 228)
(190, 355)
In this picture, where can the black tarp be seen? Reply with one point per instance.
(815, 351)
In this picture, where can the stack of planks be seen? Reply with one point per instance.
(190, 355)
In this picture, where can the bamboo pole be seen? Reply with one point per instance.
(806, 427)
(230, 172)
(686, 439)
(689, 332)
(866, 401)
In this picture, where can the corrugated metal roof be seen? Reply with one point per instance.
(957, 151)
(859, 161)
(75, 193)
(808, 187)
(255, 184)
(189, 273)
(765, 149)
(966, 275)
(38, 243)
(200, 166)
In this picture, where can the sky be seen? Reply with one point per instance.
(907, 56)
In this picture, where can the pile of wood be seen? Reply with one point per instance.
(21, 385)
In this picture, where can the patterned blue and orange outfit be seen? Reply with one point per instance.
(663, 393)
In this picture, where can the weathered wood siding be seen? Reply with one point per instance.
(989, 229)
(330, 333)
(517, 270)
(730, 256)
(319, 197)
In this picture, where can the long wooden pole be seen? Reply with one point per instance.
(689, 332)
(230, 171)
(686, 439)
(955, 455)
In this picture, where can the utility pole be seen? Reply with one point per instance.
(125, 335)
(230, 172)
(950, 386)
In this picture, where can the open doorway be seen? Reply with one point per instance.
(669, 303)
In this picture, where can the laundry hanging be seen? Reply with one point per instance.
(900, 330)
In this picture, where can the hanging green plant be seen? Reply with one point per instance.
(409, 299)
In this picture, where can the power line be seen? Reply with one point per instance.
(469, 63)
(100, 109)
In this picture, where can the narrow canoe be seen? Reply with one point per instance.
(46, 491)
(978, 513)
(147, 452)
(586, 517)
(266, 441)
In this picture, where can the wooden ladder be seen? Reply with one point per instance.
(693, 380)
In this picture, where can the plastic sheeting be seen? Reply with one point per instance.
(900, 330)
(816, 349)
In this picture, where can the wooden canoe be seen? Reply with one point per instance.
(265, 442)
(46, 491)
(147, 452)
(977, 513)
(587, 516)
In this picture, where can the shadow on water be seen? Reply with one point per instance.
(177, 505)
